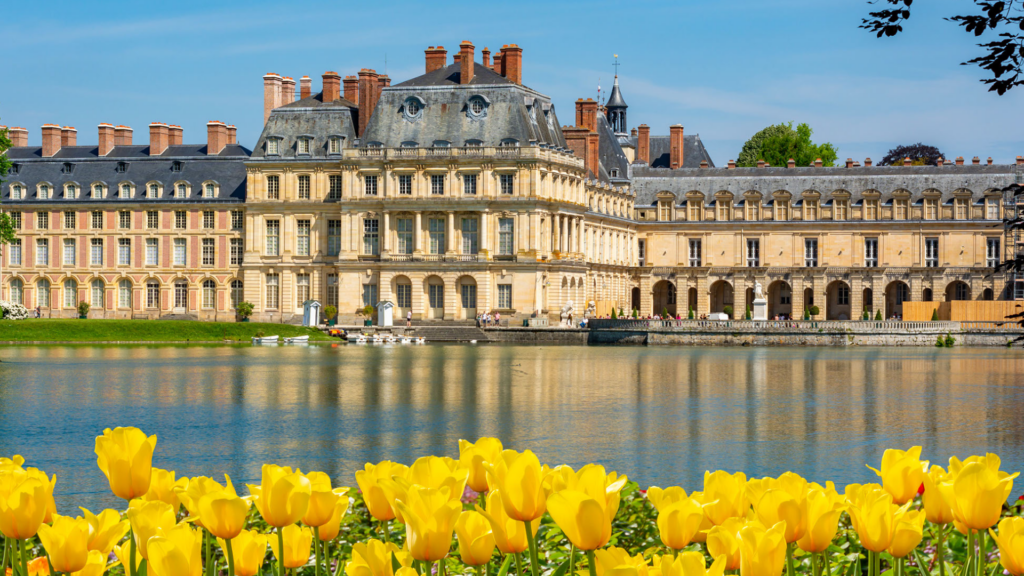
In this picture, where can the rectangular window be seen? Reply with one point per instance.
(126, 191)
(124, 294)
(69, 220)
(470, 236)
(237, 220)
(96, 251)
(810, 209)
(752, 209)
(69, 251)
(43, 294)
(870, 210)
(992, 256)
(154, 191)
(931, 252)
(179, 253)
(303, 146)
(152, 252)
(302, 238)
(370, 295)
(810, 252)
(843, 295)
(370, 185)
(781, 210)
(182, 191)
(97, 294)
(403, 227)
(152, 219)
(236, 252)
(664, 211)
(152, 295)
(15, 192)
(335, 146)
(437, 184)
(931, 208)
(992, 208)
(332, 290)
(44, 192)
(506, 236)
(871, 252)
(273, 242)
(469, 183)
(333, 237)
(504, 296)
(840, 209)
(43, 220)
(437, 230)
(301, 289)
(753, 253)
(180, 220)
(42, 252)
(209, 257)
(96, 220)
(960, 208)
(16, 220)
(405, 184)
(304, 186)
(273, 146)
(273, 292)
(15, 255)
(403, 295)
(334, 187)
(371, 237)
(208, 219)
(124, 219)
(695, 252)
(641, 252)
(273, 187)
(507, 182)
(124, 251)
(901, 208)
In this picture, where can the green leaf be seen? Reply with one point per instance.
(395, 564)
(562, 569)
(504, 565)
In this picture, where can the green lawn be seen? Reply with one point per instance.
(44, 330)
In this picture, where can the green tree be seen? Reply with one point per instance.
(6, 225)
(778, 143)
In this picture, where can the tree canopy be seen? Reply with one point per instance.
(778, 143)
(6, 225)
(1003, 20)
(919, 154)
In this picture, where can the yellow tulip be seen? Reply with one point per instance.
(164, 487)
(223, 513)
(663, 497)
(618, 562)
(520, 479)
(977, 491)
(371, 558)
(873, 514)
(378, 501)
(105, 530)
(691, 564)
(26, 499)
(476, 539)
(95, 565)
(249, 549)
(430, 516)
(125, 456)
(902, 473)
(509, 534)
(472, 456)
(429, 472)
(762, 550)
(123, 553)
(679, 522)
(724, 542)
(12, 462)
(297, 543)
(147, 518)
(283, 496)
(908, 530)
(193, 490)
(330, 530)
(36, 567)
(1010, 540)
(585, 511)
(176, 551)
(822, 509)
(777, 505)
(407, 571)
(726, 494)
(67, 542)
(706, 524)
(937, 508)
(322, 500)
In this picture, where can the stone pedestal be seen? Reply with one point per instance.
(760, 311)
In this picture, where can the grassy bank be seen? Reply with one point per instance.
(44, 330)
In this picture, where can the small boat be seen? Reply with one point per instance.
(472, 341)
(264, 339)
(360, 339)
(420, 340)
(297, 340)
(390, 339)
(405, 340)
(378, 339)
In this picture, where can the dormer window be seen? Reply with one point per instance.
(410, 144)
(126, 191)
(67, 168)
(474, 143)
(412, 108)
(97, 191)
(477, 107)
(303, 145)
(70, 192)
(154, 191)
(181, 191)
(442, 144)
(208, 190)
(44, 192)
(14, 169)
(122, 167)
(374, 145)
(16, 192)
(176, 166)
(334, 145)
(614, 173)
(273, 147)
(509, 142)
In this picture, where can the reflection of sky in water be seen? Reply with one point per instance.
(660, 415)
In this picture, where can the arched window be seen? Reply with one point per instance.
(124, 294)
(126, 191)
(70, 294)
(236, 293)
(96, 296)
(152, 294)
(209, 294)
(43, 293)
(17, 292)
(97, 191)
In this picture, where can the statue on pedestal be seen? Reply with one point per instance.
(566, 315)
(758, 292)
(591, 310)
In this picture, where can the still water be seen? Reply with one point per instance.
(660, 415)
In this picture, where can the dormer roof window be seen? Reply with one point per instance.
(334, 145)
(412, 108)
(176, 166)
(122, 167)
(67, 168)
(303, 144)
(273, 146)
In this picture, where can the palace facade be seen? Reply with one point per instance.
(458, 192)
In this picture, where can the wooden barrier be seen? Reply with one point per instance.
(921, 311)
(963, 310)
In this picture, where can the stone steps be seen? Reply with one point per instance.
(450, 333)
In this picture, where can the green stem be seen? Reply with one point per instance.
(878, 564)
(675, 553)
(387, 532)
(49, 563)
(532, 540)
(982, 559)
(337, 569)
(210, 564)
(280, 551)
(4, 556)
(970, 548)
(316, 550)
(519, 563)
(24, 557)
(871, 563)
(231, 558)
(440, 567)
(572, 559)
(790, 569)
(940, 550)
(828, 563)
(131, 552)
(591, 565)
(815, 569)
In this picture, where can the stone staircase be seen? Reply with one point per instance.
(449, 332)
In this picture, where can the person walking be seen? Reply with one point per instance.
(408, 319)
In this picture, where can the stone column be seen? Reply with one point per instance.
(386, 248)
(418, 234)
(555, 238)
(485, 240)
(581, 242)
(563, 243)
(451, 233)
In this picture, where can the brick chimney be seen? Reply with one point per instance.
(122, 135)
(383, 81)
(760, 164)
(498, 66)
(643, 144)
(906, 161)
(593, 158)
(633, 132)
(675, 146)
(332, 86)
(849, 162)
(436, 58)
(68, 136)
(51, 139)
(174, 135)
(512, 58)
(455, 58)
(368, 94)
(486, 53)
(216, 137)
(466, 61)
(867, 162)
(586, 114)
(976, 161)
(989, 160)
(159, 138)
(731, 165)
(352, 89)
(232, 134)
(287, 90)
(305, 87)
(703, 163)
(271, 94)
(19, 136)
(817, 162)
(1020, 160)
(107, 138)
(791, 163)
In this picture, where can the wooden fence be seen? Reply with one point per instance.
(963, 310)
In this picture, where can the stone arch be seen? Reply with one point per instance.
(634, 299)
(837, 301)
(433, 294)
(466, 297)
(927, 296)
(868, 300)
(721, 293)
(896, 293)
(179, 294)
(691, 301)
(958, 290)
(663, 298)
(780, 299)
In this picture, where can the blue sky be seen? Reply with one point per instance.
(722, 69)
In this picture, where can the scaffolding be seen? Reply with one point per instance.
(1014, 236)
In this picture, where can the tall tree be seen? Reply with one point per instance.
(1003, 57)
(778, 143)
(919, 154)
(6, 226)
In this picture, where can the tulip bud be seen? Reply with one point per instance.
(66, 542)
(430, 517)
(125, 456)
(902, 473)
(476, 540)
(472, 457)
(283, 496)
(297, 544)
(249, 548)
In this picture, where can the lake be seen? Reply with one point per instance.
(662, 415)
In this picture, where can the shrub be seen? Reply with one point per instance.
(330, 312)
(878, 315)
(368, 311)
(636, 313)
(935, 315)
(866, 315)
(664, 312)
(12, 311)
(614, 315)
(83, 308)
(727, 310)
(245, 309)
(940, 342)
(748, 313)
(690, 314)
(950, 341)
(815, 310)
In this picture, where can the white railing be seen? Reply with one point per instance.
(524, 152)
(794, 325)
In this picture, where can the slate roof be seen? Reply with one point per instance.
(309, 117)
(693, 151)
(615, 99)
(451, 75)
(611, 155)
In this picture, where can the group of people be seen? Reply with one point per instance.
(487, 319)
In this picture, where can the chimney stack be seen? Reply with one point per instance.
(703, 163)
(174, 135)
(383, 81)
(486, 53)
(849, 162)
(232, 134)
(287, 91)
(51, 139)
(122, 135)
(633, 132)
(107, 139)
(271, 93)
(68, 136)
(731, 165)
(368, 93)
(959, 160)
(352, 89)
(791, 163)
(455, 58)
(976, 161)
(760, 164)
(1020, 160)
(305, 87)
(332, 86)
(675, 139)
(867, 162)
(906, 161)
(216, 137)
(989, 160)
(436, 58)
(466, 61)
(499, 61)
(19, 136)
(817, 162)
(159, 136)
(586, 114)
(512, 58)
(643, 144)
(593, 158)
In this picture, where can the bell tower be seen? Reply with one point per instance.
(615, 108)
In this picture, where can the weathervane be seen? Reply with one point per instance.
(616, 64)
